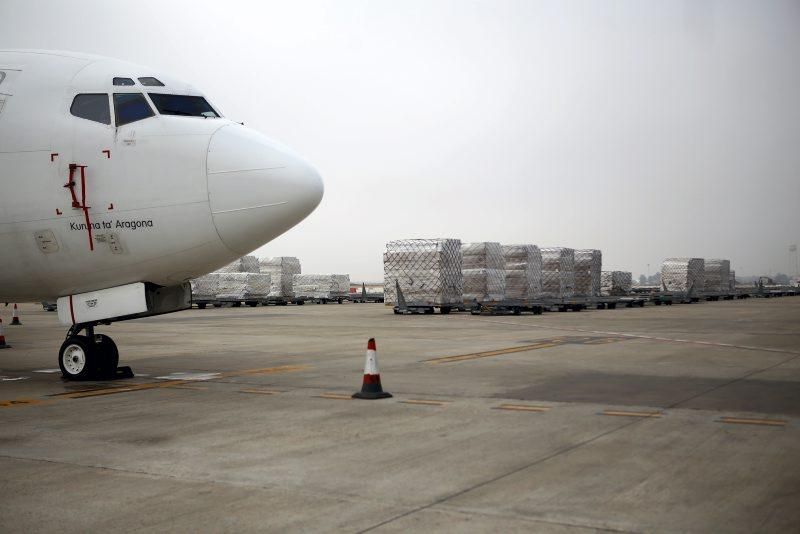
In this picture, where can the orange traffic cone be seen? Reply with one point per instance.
(371, 387)
(3, 344)
(15, 316)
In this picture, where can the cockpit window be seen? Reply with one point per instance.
(93, 107)
(149, 81)
(189, 106)
(131, 107)
(124, 81)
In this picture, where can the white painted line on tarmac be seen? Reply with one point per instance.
(47, 371)
(12, 378)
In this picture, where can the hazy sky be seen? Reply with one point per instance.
(647, 129)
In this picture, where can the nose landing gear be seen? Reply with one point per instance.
(90, 356)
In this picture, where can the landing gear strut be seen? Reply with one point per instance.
(89, 356)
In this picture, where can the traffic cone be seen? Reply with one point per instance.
(15, 316)
(3, 344)
(371, 386)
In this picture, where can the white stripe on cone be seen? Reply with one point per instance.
(371, 364)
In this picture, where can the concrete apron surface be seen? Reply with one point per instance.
(681, 418)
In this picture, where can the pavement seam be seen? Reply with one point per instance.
(492, 480)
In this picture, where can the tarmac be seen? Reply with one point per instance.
(660, 419)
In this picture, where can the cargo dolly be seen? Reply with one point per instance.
(608, 302)
(203, 301)
(364, 296)
(426, 308)
(565, 304)
(511, 307)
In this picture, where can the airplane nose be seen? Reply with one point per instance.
(257, 189)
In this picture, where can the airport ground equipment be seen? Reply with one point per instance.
(615, 283)
(658, 296)
(371, 384)
(588, 266)
(716, 278)
(243, 287)
(628, 301)
(483, 269)
(427, 272)
(558, 273)
(91, 355)
(205, 289)
(282, 270)
(507, 307)
(523, 273)
(683, 275)
(366, 296)
(563, 304)
(321, 288)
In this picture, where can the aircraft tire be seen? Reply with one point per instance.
(77, 358)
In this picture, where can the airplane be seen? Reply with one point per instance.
(119, 184)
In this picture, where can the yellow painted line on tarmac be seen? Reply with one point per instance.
(621, 413)
(748, 421)
(489, 353)
(181, 386)
(522, 408)
(424, 402)
(335, 396)
(267, 370)
(260, 391)
(17, 403)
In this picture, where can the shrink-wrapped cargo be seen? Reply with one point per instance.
(615, 283)
(683, 275)
(523, 272)
(717, 275)
(732, 281)
(558, 272)
(243, 286)
(588, 266)
(321, 286)
(205, 287)
(427, 270)
(340, 285)
(282, 269)
(245, 264)
(483, 268)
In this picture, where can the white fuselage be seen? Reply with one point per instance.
(167, 197)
